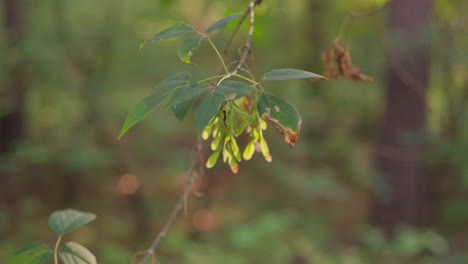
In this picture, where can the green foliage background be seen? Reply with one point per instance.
(308, 206)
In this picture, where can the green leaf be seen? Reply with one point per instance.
(289, 74)
(143, 108)
(184, 97)
(207, 109)
(175, 80)
(187, 48)
(281, 115)
(74, 253)
(222, 23)
(187, 92)
(176, 30)
(235, 87)
(67, 220)
(33, 253)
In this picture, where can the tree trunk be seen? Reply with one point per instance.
(13, 91)
(399, 157)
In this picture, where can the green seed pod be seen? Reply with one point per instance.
(207, 131)
(235, 149)
(255, 134)
(215, 143)
(225, 150)
(240, 129)
(249, 151)
(211, 162)
(265, 150)
(233, 163)
(263, 124)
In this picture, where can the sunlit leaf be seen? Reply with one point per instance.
(175, 80)
(33, 253)
(281, 115)
(222, 23)
(235, 87)
(289, 74)
(176, 30)
(207, 109)
(74, 253)
(143, 108)
(187, 48)
(67, 220)
(184, 97)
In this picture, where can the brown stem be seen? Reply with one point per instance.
(197, 152)
(239, 24)
(246, 47)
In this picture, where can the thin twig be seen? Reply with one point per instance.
(180, 203)
(246, 46)
(239, 24)
(234, 33)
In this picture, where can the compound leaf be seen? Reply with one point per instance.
(222, 23)
(33, 253)
(289, 74)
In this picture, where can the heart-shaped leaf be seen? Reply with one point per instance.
(33, 253)
(281, 115)
(208, 108)
(289, 74)
(184, 97)
(235, 87)
(74, 253)
(187, 48)
(222, 23)
(67, 220)
(175, 80)
(176, 30)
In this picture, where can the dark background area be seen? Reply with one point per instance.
(378, 175)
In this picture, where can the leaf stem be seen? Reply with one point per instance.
(211, 78)
(56, 249)
(245, 78)
(217, 52)
(224, 78)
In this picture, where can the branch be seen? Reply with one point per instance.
(246, 47)
(239, 24)
(196, 161)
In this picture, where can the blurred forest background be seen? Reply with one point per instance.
(379, 174)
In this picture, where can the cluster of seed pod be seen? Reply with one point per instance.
(236, 118)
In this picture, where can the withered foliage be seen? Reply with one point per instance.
(290, 137)
(337, 62)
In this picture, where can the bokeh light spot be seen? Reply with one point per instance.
(128, 184)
